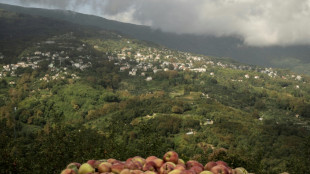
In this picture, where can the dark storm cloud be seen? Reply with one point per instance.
(258, 22)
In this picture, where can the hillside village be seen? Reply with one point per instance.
(63, 53)
(66, 58)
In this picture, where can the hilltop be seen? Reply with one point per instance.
(71, 93)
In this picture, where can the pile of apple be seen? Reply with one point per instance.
(170, 164)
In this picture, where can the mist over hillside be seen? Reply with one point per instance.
(231, 47)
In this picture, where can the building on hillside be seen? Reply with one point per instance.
(149, 79)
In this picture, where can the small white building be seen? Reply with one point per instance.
(149, 79)
(37, 53)
(190, 133)
(208, 122)
(298, 77)
(132, 73)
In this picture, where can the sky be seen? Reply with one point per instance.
(256, 22)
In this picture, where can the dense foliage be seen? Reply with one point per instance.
(79, 104)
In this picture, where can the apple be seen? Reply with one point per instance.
(150, 172)
(133, 165)
(117, 167)
(181, 161)
(69, 166)
(171, 156)
(86, 168)
(166, 168)
(93, 163)
(140, 159)
(125, 171)
(74, 166)
(206, 172)
(240, 170)
(188, 172)
(158, 162)
(209, 165)
(196, 169)
(150, 166)
(68, 171)
(150, 158)
(113, 161)
(192, 163)
(180, 166)
(129, 159)
(222, 163)
(136, 172)
(219, 169)
(230, 170)
(104, 167)
(176, 171)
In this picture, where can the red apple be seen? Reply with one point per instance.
(140, 159)
(171, 156)
(219, 169)
(150, 172)
(188, 172)
(133, 165)
(129, 159)
(166, 168)
(104, 167)
(150, 166)
(176, 171)
(180, 161)
(136, 172)
(150, 158)
(192, 163)
(68, 171)
(222, 163)
(113, 161)
(158, 162)
(230, 170)
(125, 171)
(209, 165)
(206, 172)
(196, 169)
(93, 163)
(180, 166)
(117, 168)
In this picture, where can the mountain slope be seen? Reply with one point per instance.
(80, 93)
(207, 45)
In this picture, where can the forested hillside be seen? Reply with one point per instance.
(73, 93)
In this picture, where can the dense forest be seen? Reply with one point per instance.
(73, 93)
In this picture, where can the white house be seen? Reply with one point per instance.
(149, 79)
